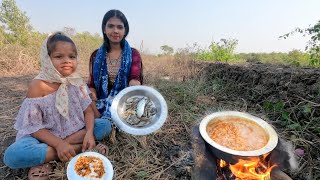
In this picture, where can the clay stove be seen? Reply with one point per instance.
(209, 167)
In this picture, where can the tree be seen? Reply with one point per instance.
(296, 57)
(167, 49)
(15, 23)
(224, 50)
(2, 36)
(313, 45)
(219, 51)
(69, 31)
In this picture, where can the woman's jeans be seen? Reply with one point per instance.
(29, 152)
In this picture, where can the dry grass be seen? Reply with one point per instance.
(16, 60)
(165, 154)
(156, 157)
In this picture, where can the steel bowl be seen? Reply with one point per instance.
(118, 106)
(230, 155)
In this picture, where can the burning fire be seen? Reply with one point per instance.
(254, 168)
(223, 163)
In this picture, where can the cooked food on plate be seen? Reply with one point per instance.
(89, 167)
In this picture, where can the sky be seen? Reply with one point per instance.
(256, 24)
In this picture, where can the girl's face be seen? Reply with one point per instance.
(114, 30)
(64, 58)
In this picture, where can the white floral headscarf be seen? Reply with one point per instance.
(50, 74)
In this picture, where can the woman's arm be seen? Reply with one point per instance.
(91, 61)
(135, 77)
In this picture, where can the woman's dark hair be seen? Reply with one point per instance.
(52, 42)
(122, 17)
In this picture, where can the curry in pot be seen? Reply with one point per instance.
(237, 133)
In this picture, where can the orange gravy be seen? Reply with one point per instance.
(237, 133)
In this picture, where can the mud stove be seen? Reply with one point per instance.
(208, 167)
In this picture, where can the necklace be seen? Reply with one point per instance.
(114, 61)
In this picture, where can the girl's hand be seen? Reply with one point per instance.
(93, 94)
(88, 141)
(65, 151)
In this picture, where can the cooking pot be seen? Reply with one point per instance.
(230, 155)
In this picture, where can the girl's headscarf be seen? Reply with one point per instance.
(50, 74)
(100, 75)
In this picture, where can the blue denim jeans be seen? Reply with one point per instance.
(29, 152)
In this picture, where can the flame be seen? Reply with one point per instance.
(222, 163)
(253, 168)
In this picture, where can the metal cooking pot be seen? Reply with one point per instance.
(230, 155)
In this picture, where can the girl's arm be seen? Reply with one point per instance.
(64, 150)
(89, 119)
(88, 141)
(93, 96)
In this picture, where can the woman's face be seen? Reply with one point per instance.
(114, 30)
(64, 58)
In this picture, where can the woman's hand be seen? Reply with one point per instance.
(134, 82)
(65, 151)
(88, 141)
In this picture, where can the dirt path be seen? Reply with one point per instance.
(12, 92)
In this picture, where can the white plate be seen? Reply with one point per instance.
(72, 174)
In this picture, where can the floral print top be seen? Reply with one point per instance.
(41, 113)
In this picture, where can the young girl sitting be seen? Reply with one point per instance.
(55, 121)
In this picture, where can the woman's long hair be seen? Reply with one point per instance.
(118, 14)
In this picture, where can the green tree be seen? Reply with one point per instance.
(15, 23)
(167, 49)
(313, 45)
(2, 36)
(224, 50)
(86, 44)
(219, 51)
(296, 57)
